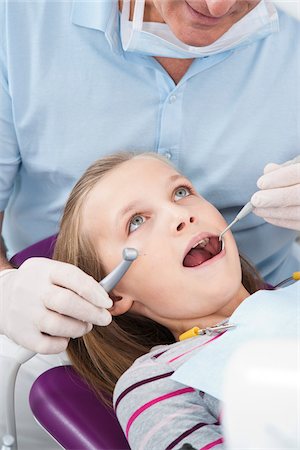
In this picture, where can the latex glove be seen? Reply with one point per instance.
(52, 297)
(278, 201)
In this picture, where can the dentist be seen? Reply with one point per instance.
(211, 84)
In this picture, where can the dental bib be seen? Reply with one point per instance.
(264, 315)
(157, 39)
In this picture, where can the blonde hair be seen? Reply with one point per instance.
(105, 353)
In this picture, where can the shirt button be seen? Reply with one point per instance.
(168, 155)
(172, 99)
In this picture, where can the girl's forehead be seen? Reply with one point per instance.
(148, 161)
(139, 169)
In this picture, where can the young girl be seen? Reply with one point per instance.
(183, 277)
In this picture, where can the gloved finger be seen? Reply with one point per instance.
(284, 176)
(281, 197)
(73, 278)
(271, 167)
(291, 224)
(61, 326)
(47, 345)
(66, 302)
(287, 213)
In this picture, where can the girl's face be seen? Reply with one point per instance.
(146, 204)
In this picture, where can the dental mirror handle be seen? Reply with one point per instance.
(249, 207)
(243, 213)
(113, 278)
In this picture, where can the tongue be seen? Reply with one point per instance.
(196, 256)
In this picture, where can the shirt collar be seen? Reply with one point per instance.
(102, 15)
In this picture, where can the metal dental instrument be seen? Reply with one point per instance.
(243, 213)
(216, 329)
(249, 207)
(113, 278)
(295, 277)
(22, 355)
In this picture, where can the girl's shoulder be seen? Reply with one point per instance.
(160, 362)
(154, 410)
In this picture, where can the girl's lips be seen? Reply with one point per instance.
(201, 18)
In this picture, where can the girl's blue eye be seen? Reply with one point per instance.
(135, 222)
(182, 192)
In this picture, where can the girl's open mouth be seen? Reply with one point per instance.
(205, 249)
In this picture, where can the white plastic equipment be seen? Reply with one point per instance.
(262, 396)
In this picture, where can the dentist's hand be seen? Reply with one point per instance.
(278, 201)
(44, 303)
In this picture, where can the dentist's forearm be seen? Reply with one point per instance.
(4, 264)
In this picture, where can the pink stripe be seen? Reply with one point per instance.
(197, 346)
(212, 444)
(153, 402)
(139, 366)
(166, 423)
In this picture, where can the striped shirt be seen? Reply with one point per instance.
(157, 413)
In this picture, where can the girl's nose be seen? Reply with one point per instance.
(218, 8)
(184, 222)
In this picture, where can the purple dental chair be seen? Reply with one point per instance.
(63, 403)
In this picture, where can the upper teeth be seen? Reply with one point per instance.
(202, 243)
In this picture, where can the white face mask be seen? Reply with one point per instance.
(157, 39)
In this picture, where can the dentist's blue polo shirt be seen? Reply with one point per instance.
(69, 94)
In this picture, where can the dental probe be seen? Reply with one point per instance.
(22, 355)
(249, 207)
(113, 278)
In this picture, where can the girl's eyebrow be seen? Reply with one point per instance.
(132, 206)
(128, 208)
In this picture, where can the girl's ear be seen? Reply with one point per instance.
(121, 304)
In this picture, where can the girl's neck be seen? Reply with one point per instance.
(212, 319)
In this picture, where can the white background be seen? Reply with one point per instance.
(291, 6)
